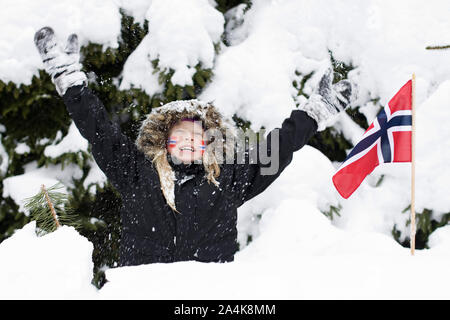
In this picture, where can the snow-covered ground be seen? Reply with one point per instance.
(299, 255)
(296, 252)
(56, 266)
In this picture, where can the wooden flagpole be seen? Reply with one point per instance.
(413, 164)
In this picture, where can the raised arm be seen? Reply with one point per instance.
(250, 179)
(116, 155)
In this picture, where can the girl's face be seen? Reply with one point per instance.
(186, 141)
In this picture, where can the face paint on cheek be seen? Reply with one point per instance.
(202, 147)
(172, 142)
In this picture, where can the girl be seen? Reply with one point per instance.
(179, 201)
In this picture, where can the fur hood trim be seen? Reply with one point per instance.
(154, 133)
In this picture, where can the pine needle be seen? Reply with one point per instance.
(50, 209)
(437, 47)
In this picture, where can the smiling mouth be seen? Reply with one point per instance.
(187, 149)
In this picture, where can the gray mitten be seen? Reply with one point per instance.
(62, 64)
(329, 100)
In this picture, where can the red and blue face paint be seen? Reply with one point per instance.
(185, 141)
(172, 142)
(203, 146)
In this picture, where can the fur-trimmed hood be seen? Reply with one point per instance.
(154, 133)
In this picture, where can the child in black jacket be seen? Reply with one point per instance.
(179, 195)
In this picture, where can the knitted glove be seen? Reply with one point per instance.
(62, 64)
(328, 100)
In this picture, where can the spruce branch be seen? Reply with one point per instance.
(437, 47)
(50, 209)
(50, 205)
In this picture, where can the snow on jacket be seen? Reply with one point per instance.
(204, 229)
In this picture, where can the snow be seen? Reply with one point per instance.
(385, 40)
(183, 105)
(296, 251)
(135, 8)
(20, 19)
(95, 176)
(192, 36)
(139, 72)
(299, 255)
(191, 41)
(4, 159)
(54, 266)
(22, 148)
(440, 240)
(433, 145)
(29, 183)
(72, 142)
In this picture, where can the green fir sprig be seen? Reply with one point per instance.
(50, 209)
(437, 47)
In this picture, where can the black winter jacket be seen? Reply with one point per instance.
(205, 229)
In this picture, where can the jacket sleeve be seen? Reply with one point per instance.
(115, 153)
(250, 179)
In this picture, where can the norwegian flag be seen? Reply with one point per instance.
(388, 139)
